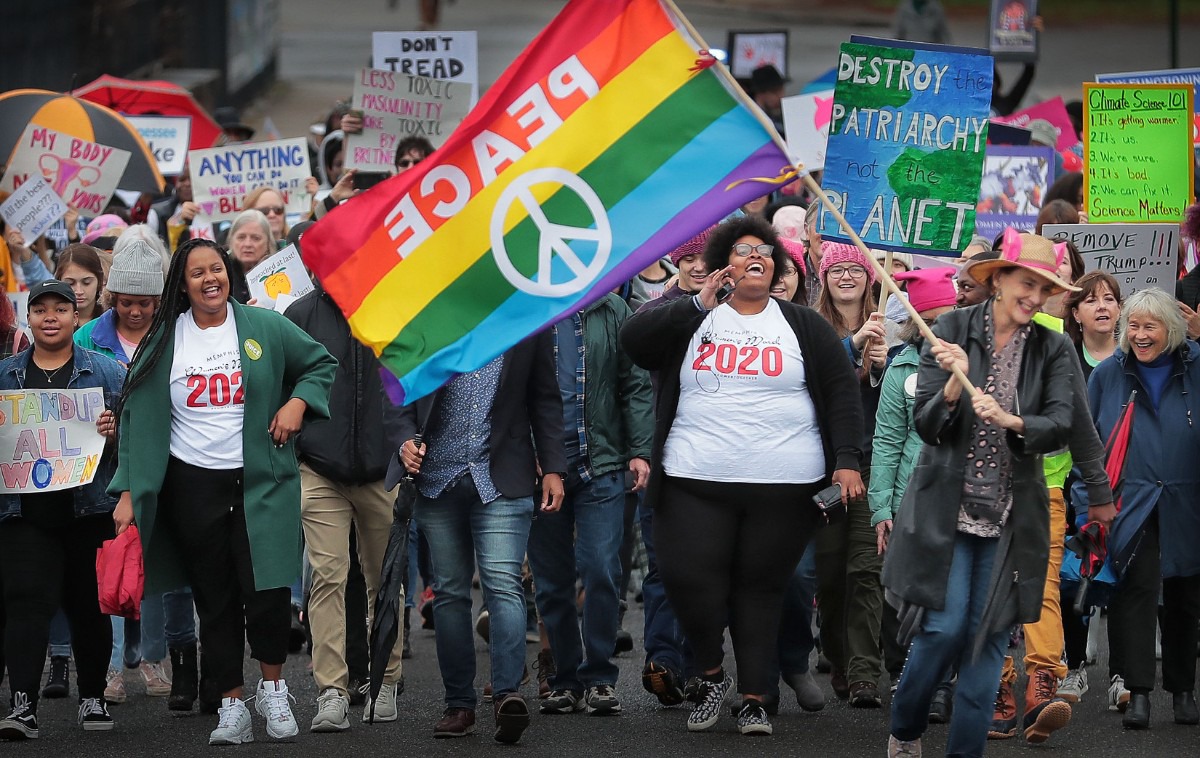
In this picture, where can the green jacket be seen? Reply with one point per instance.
(618, 401)
(283, 363)
(897, 443)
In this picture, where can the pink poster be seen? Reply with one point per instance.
(1054, 111)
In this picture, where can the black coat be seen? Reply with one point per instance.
(527, 400)
(356, 442)
(657, 339)
(921, 548)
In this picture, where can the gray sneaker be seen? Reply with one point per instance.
(332, 712)
(808, 693)
(562, 701)
(904, 748)
(1075, 686)
(385, 705)
(233, 725)
(601, 700)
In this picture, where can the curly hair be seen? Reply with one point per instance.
(720, 243)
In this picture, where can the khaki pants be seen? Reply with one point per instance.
(328, 510)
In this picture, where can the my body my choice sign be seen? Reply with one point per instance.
(48, 439)
(907, 143)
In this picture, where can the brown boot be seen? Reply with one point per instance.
(546, 670)
(1045, 711)
(1004, 718)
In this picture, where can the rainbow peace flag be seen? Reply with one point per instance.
(604, 146)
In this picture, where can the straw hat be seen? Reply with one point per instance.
(1032, 252)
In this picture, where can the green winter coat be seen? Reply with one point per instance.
(283, 363)
(896, 442)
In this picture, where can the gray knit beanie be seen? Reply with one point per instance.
(136, 270)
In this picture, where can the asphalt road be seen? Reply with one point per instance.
(145, 727)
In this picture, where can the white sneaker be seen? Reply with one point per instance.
(233, 725)
(385, 706)
(1075, 686)
(271, 702)
(332, 712)
(1118, 696)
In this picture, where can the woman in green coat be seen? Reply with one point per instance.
(216, 393)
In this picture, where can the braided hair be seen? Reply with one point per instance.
(175, 302)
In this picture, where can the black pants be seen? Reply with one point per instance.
(1134, 612)
(1075, 632)
(727, 552)
(204, 512)
(43, 569)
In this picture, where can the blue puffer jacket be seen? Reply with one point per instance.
(1161, 477)
(90, 370)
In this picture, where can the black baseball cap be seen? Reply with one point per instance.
(52, 287)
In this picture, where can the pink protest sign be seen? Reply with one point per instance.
(1054, 111)
(84, 174)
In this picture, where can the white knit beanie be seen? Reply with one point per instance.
(136, 270)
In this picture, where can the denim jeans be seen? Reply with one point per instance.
(796, 639)
(168, 621)
(946, 637)
(583, 539)
(664, 639)
(461, 530)
(60, 635)
(127, 643)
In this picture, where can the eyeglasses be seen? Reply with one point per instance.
(271, 210)
(406, 162)
(855, 272)
(791, 271)
(745, 248)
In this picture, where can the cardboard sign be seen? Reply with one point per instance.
(1138, 255)
(33, 208)
(168, 138)
(82, 173)
(806, 121)
(222, 176)
(1138, 148)
(395, 106)
(1053, 111)
(906, 144)
(280, 274)
(1012, 36)
(1014, 182)
(48, 439)
(749, 50)
(450, 56)
(20, 304)
(1170, 76)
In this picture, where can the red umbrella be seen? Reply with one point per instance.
(153, 98)
(1117, 447)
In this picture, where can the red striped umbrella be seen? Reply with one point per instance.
(82, 119)
(154, 98)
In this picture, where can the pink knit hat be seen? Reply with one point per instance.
(930, 288)
(694, 246)
(833, 253)
(108, 225)
(795, 251)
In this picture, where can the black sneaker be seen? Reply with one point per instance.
(601, 700)
(624, 642)
(691, 690)
(93, 715)
(752, 719)
(663, 683)
(712, 698)
(57, 682)
(21, 724)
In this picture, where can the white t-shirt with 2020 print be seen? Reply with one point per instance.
(745, 413)
(207, 394)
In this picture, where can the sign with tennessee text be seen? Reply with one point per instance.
(167, 137)
(48, 439)
(450, 56)
(1137, 144)
(222, 176)
(84, 174)
(395, 106)
(33, 208)
(906, 144)
(1139, 256)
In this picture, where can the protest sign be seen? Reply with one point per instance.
(806, 121)
(1007, 134)
(1012, 36)
(449, 56)
(906, 144)
(1055, 112)
(1138, 255)
(749, 50)
(1014, 182)
(48, 439)
(1170, 76)
(280, 274)
(1138, 146)
(222, 176)
(20, 304)
(167, 137)
(33, 208)
(82, 173)
(395, 106)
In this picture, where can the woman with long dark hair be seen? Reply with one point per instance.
(216, 393)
